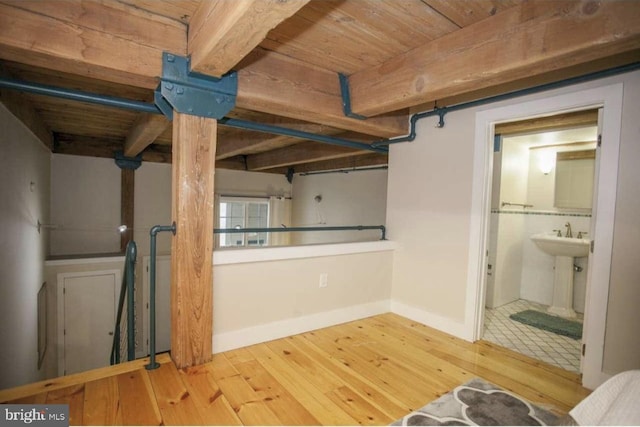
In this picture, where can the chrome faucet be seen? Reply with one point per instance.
(569, 233)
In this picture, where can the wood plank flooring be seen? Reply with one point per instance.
(367, 372)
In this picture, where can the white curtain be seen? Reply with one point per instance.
(279, 216)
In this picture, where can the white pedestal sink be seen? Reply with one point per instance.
(564, 249)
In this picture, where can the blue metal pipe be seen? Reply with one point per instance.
(78, 95)
(152, 292)
(345, 171)
(126, 291)
(261, 127)
(144, 107)
(382, 229)
(441, 111)
(130, 259)
(377, 146)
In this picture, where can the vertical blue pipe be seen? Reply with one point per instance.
(152, 293)
(152, 301)
(497, 143)
(132, 251)
(115, 349)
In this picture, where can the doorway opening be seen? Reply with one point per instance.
(541, 208)
(608, 100)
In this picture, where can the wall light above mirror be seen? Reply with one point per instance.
(546, 161)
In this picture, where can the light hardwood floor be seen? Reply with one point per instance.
(367, 372)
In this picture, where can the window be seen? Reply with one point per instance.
(238, 212)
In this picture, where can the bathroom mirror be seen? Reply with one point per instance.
(574, 179)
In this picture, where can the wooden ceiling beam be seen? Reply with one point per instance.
(529, 39)
(87, 38)
(106, 147)
(222, 32)
(273, 83)
(236, 142)
(242, 142)
(86, 146)
(359, 161)
(300, 153)
(146, 129)
(238, 163)
(103, 147)
(108, 41)
(555, 122)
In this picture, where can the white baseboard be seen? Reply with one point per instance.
(283, 328)
(429, 319)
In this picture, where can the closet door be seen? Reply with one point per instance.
(88, 319)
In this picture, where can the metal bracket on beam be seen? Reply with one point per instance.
(162, 104)
(346, 98)
(289, 175)
(193, 93)
(124, 162)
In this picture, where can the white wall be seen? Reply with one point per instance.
(152, 206)
(428, 203)
(507, 267)
(506, 256)
(260, 301)
(622, 342)
(514, 174)
(24, 161)
(356, 198)
(429, 211)
(85, 205)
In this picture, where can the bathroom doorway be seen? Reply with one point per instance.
(542, 185)
(608, 99)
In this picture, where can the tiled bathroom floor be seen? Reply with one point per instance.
(555, 349)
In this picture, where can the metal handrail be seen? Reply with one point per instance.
(126, 289)
(152, 291)
(382, 229)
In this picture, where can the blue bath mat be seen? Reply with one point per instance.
(548, 322)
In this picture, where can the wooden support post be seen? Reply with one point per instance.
(127, 183)
(194, 151)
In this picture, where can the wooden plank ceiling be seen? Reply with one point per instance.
(400, 56)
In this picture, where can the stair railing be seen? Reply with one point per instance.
(152, 291)
(124, 339)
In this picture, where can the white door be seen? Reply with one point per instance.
(88, 313)
(592, 232)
